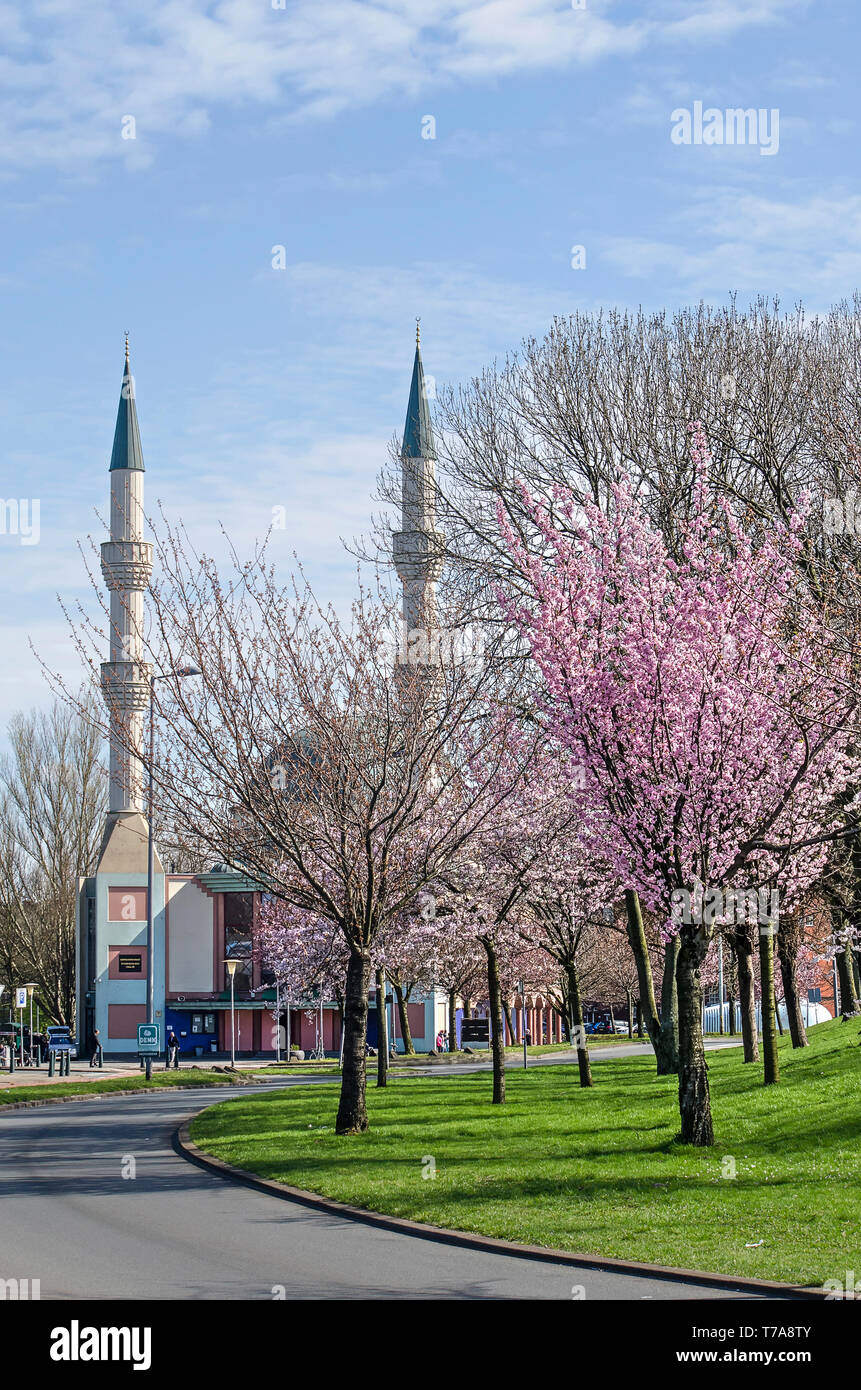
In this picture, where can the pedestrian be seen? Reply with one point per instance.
(96, 1049)
(172, 1051)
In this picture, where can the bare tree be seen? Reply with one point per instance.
(53, 798)
(311, 756)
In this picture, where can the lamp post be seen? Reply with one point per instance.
(232, 967)
(523, 1021)
(30, 988)
(277, 1024)
(150, 858)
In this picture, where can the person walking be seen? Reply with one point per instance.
(96, 1049)
(172, 1051)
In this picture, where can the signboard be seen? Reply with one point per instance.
(20, 999)
(148, 1038)
(130, 964)
(475, 1032)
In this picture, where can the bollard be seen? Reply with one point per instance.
(11, 1059)
(68, 1057)
(51, 1058)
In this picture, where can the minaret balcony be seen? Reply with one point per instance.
(126, 685)
(418, 555)
(127, 564)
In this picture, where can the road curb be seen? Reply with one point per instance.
(185, 1146)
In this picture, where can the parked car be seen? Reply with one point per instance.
(60, 1038)
(621, 1025)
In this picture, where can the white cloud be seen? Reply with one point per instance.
(71, 73)
(731, 238)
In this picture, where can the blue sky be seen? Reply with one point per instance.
(301, 127)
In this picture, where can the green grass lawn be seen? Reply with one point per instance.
(13, 1095)
(595, 1171)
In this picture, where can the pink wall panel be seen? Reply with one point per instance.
(126, 904)
(416, 1015)
(123, 1020)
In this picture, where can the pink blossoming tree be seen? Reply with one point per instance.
(709, 723)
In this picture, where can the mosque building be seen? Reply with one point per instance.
(201, 920)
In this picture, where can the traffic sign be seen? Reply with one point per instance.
(20, 999)
(148, 1038)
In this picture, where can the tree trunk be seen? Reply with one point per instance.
(694, 1100)
(404, 1016)
(664, 1049)
(639, 1018)
(846, 975)
(787, 955)
(382, 1031)
(452, 1020)
(771, 1068)
(497, 1041)
(352, 1111)
(730, 1000)
(583, 1062)
(670, 1007)
(630, 994)
(743, 949)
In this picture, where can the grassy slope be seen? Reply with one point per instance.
(596, 1171)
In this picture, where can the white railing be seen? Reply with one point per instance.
(711, 1016)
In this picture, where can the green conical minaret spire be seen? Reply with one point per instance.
(127, 452)
(418, 434)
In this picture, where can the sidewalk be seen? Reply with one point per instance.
(78, 1072)
(82, 1071)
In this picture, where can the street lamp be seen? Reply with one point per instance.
(150, 866)
(232, 967)
(29, 988)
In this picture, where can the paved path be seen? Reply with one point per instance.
(69, 1218)
(81, 1071)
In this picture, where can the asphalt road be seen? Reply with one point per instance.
(69, 1218)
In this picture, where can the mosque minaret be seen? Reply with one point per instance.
(126, 568)
(418, 546)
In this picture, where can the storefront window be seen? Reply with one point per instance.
(238, 922)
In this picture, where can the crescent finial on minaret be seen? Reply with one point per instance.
(127, 348)
(418, 332)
